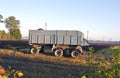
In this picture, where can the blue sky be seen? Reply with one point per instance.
(100, 17)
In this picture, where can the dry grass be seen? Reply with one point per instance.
(42, 66)
(46, 66)
(49, 58)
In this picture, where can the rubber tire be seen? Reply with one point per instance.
(58, 52)
(75, 53)
(34, 50)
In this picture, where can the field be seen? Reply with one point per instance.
(95, 65)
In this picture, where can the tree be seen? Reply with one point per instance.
(2, 32)
(13, 26)
(1, 17)
(12, 23)
(15, 33)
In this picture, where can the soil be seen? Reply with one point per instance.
(42, 65)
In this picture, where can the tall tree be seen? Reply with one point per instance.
(13, 26)
(15, 33)
(1, 17)
(12, 23)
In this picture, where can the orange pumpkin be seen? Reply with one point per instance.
(2, 70)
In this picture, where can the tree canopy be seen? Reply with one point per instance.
(12, 23)
(13, 26)
(1, 17)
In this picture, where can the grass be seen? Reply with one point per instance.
(48, 66)
(42, 66)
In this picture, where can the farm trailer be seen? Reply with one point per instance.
(60, 42)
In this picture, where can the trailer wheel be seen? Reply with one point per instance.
(58, 52)
(34, 50)
(75, 53)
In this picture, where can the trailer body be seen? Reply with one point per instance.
(62, 39)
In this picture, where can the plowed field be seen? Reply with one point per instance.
(43, 66)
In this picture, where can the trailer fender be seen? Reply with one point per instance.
(79, 48)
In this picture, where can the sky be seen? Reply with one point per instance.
(97, 19)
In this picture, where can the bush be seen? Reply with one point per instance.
(100, 68)
(10, 73)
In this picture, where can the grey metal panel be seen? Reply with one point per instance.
(69, 37)
(52, 39)
(34, 38)
(30, 38)
(47, 39)
(73, 40)
(41, 39)
(49, 32)
(80, 33)
(61, 32)
(67, 40)
(72, 33)
(59, 39)
(79, 40)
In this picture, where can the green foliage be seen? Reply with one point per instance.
(11, 73)
(91, 49)
(2, 32)
(83, 76)
(96, 67)
(12, 23)
(5, 36)
(100, 69)
(1, 17)
(15, 33)
(13, 26)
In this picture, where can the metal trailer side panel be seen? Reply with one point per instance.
(73, 40)
(52, 39)
(72, 33)
(80, 33)
(47, 39)
(49, 36)
(79, 38)
(49, 32)
(76, 40)
(67, 40)
(61, 32)
(41, 39)
(57, 37)
(32, 37)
